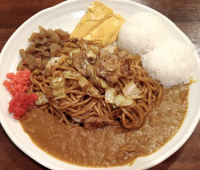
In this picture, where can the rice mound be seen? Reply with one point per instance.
(171, 63)
(166, 59)
(141, 33)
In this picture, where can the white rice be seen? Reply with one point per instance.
(171, 63)
(164, 57)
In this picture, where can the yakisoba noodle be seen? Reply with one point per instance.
(78, 105)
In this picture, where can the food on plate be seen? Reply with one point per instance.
(96, 14)
(86, 81)
(178, 67)
(97, 104)
(141, 33)
(166, 58)
(99, 24)
(18, 86)
(79, 88)
(107, 32)
(18, 82)
(111, 145)
(21, 103)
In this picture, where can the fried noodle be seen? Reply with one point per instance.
(80, 103)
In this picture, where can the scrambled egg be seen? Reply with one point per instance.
(97, 13)
(99, 24)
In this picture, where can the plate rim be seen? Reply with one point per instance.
(57, 6)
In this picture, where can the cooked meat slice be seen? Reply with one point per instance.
(38, 62)
(55, 38)
(30, 49)
(32, 66)
(42, 34)
(21, 66)
(45, 54)
(98, 122)
(41, 48)
(34, 36)
(99, 82)
(38, 55)
(107, 61)
(29, 59)
(41, 41)
(79, 63)
(64, 35)
(49, 32)
(111, 67)
(55, 49)
(23, 54)
(44, 62)
(42, 51)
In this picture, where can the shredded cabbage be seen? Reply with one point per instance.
(89, 52)
(131, 90)
(72, 75)
(110, 95)
(120, 100)
(41, 99)
(98, 81)
(55, 61)
(77, 50)
(58, 86)
(82, 81)
(110, 48)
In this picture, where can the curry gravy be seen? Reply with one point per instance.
(110, 146)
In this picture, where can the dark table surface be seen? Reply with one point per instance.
(184, 13)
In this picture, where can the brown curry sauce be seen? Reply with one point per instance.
(110, 146)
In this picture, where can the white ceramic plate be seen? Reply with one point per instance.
(65, 16)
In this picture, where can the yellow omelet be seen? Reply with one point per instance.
(107, 32)
(97, 13)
